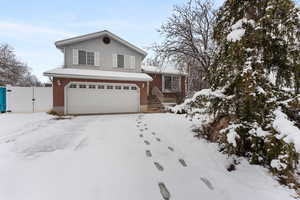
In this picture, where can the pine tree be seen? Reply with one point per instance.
(256, 38)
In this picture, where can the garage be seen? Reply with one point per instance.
(100, 97)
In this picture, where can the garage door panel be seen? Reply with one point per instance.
(89, 101)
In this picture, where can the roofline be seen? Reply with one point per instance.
(165, 73)
(95, 77)
(62, 43)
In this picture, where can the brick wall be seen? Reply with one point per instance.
(157, 82)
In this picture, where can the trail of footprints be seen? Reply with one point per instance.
(162, 187)
(143, 127)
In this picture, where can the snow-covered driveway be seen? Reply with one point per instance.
(113, 157)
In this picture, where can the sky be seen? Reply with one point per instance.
(31, 27)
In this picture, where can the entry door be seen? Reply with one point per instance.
(91, 98)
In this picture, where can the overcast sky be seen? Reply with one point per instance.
(32, 26)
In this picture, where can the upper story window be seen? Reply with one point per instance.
(124, 61)
(90, 58)
(120, 61)
(86, 58)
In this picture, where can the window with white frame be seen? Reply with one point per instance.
(120, 61)
(86, 58)
(171, 83)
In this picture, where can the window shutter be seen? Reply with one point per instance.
(97, 58)
(75, 56)
(127, 61)
(115, 64)
(132, 62)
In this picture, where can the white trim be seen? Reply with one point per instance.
(126, 61)
(61, 43)
(97, 58)
(115, 60)
(132, 62)
(75, 56)
(171, 91)
(102, 83)
(97, 74)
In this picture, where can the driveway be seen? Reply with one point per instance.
(113, 157)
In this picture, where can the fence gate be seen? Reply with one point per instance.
(2, 99)
(29, 99)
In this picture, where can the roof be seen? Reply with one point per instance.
(97, 74)
(162, 70)
(61, 43)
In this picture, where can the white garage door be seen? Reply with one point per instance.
(90, 98)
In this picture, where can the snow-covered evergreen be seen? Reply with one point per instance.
(256, 38)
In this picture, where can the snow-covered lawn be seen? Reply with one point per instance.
(104, 157)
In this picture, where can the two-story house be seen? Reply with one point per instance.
(102, 73)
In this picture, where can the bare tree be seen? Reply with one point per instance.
(14, 72)
(188, 41)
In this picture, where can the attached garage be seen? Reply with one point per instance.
(81, 91)
(93, 97)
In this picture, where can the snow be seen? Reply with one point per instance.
(103, 157)
(232, 134)
(162, 70)
(276, 164)
(288, 131)
(97, 74)
(236, 35)
(238, 31)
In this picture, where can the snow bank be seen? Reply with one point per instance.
(185, 106)
(288, 131)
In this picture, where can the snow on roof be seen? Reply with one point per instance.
(61, 43)
(97, 74)
(162, 70)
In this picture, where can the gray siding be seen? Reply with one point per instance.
(106, 54)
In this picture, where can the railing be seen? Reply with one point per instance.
(156, 92)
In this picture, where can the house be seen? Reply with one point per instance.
(103, 73)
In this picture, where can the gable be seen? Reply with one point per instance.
(94, 36)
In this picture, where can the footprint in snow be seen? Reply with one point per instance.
(207, 183)
(158, 139)
(159, 166)
(164, 191)
(147, 142)
(141, 135)
(182, 162)
(153, 133)
(148, 153)
(170, 148)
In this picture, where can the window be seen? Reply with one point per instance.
(82, 86)
(101, 87)
(110, 87)
(86, 58)
(172, 83)
(118, 87)
(92, 86)
(133, 88)
(73, 86)
(168, 82)
(120, 61)
(82, 57)
(126, 88)
(90, 58)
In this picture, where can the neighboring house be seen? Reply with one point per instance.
(103, 73)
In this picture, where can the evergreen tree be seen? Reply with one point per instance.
(256, 38)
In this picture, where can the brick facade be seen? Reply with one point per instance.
(157, 82)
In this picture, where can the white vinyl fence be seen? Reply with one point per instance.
(29, 99)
